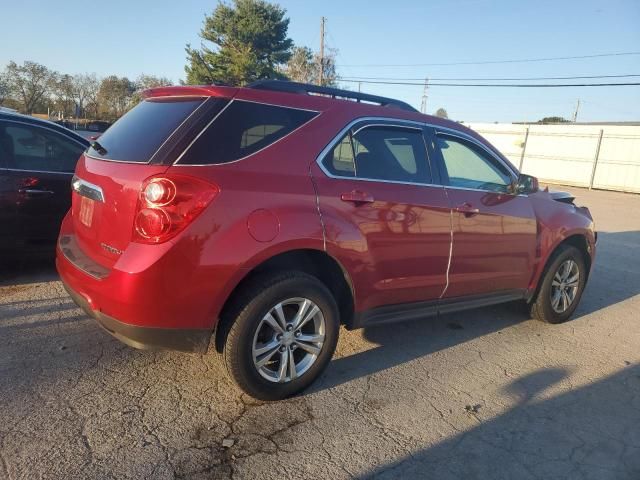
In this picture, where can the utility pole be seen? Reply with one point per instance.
(321, 65)
(575, 113)
(423, 106)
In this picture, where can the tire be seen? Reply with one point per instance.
(250, 331)
(544, 307)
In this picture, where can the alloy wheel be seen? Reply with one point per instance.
(288, 340)
(564, 286)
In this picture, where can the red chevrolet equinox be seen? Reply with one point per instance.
(258, 220)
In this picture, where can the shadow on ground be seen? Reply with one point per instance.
(591, 432)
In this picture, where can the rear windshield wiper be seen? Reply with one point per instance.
(99, 148)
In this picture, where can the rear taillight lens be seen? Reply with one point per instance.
(167, 204)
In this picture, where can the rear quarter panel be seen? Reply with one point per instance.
(269, 194)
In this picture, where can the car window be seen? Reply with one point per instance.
(468, 166)
(340, 160)
(392, 154)
(242, 129)
(138, 134)
(29, 147)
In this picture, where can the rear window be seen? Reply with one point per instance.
(137, 135)
(244, 128)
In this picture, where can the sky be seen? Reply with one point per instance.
(372, 38)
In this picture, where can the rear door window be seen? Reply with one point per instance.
(31, 148)
(139, 133)
(386, 153)
(242, 129)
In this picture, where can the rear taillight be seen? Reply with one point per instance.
(166, 205)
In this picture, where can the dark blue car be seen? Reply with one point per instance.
(37, 161)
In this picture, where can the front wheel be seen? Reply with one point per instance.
(561, 287)
(284, 334)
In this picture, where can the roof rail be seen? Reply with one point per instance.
(307, 88)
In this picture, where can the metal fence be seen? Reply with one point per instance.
(594, 156)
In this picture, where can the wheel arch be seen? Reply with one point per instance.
(576, 239)
(317, 263)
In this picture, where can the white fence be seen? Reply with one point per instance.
(598, 156)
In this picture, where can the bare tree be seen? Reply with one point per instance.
(5, 88)
(31, 82)
(144, 82)
(303, 66)
(442, 113)
(85, 92)
(115, 95)
(64, 93)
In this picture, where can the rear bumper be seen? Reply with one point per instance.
(145, 338)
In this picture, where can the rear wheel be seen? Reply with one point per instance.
(284, 332)
(561, 287)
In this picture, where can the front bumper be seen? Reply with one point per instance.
(146, 338)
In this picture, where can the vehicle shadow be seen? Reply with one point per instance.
(616, 272)
(588, 432)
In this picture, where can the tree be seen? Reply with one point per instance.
(115, 96)
(553, 120)
(442, 113)
(31, 83)
(65, 96)
(5, 89)
(303, 66)
(144, 82)
(85, 92)
(250, 43)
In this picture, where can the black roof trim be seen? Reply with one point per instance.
(307, 88)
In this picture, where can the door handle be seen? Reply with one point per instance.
(34, 192)
(356, 196)
(467, 210)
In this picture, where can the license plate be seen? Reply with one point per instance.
(86, 211)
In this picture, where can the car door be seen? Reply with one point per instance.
(494, 229)
(385, 218)
(37, 167)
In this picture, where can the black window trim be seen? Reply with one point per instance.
(376, 122)
(447, 132)
(206, 127)
(43, 127)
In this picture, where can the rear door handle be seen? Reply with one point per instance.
(356, 196)
(32, 192)
(467, 209)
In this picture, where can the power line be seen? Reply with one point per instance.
(581, 77)
(487, 62)
(517, 85)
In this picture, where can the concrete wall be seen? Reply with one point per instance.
(567, 154)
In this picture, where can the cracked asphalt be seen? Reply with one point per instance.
(488, 393)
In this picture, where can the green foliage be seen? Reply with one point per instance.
(30, 82)
(249, 40)
(553, 120)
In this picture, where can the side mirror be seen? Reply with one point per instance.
(527, 184)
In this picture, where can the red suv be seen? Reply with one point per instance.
(260, 219)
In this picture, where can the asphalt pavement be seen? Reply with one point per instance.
(482, 394)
